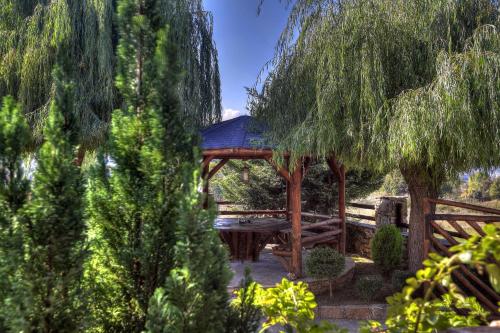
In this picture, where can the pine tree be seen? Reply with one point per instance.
(195, 296)
(14, 138)
(54, 228)
(134, 198)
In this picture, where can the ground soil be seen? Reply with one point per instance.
(347, 295)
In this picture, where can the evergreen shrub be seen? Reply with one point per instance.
(387, 248)
(324, 262)
(369, 286)
(398, 279)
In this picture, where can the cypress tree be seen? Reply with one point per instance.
(54, 228)
(137, 188)
(14, 138)
(195, 296)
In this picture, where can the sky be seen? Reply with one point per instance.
(245, 43)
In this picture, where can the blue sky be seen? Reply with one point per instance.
(245, 42)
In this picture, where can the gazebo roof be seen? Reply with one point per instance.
(243, 132)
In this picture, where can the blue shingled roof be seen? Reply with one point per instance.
(240, 132)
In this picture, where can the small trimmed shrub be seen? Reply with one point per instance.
(398, 279)
(387, 248)
(369, 286)
(325, 263)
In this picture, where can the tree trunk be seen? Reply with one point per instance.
(421, 185)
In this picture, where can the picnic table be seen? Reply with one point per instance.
(246, 237)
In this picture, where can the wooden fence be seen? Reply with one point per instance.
(445, 230)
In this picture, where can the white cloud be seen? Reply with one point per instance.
(232, 113)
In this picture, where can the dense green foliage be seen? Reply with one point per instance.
(409, 312)
(144, 210)
(195, 296)
(55, 230)
(14, 187)
(394, 184)
(494, 190)
(368, 287)
(35, 32)
(389, 84)
(478, 186)
(266, 188)
(43, 233)
(387, 248)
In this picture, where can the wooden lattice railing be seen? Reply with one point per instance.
(443, 230)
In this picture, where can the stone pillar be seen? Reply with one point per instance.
(391, 210)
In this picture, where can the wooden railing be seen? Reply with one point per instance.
(445, 230)
(369, 207)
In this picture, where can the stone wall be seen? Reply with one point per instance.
(358, 238)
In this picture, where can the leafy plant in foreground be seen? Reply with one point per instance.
(291, 306)
(244, 315)
(410, 313)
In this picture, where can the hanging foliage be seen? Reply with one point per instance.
(33, 34)
(388, 84)
(192, 28)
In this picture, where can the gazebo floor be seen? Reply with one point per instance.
(268, 270)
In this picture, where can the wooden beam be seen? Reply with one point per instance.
(464, 205)
(282, 171)
(252, 212)
(206, 163)
(217, 168)
(238, 153)
(295, 196)
(342, 208)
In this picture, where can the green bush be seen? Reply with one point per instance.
(398, 279)
(387, 248)
(324, 263)
(494, 190)
(369, 286)
(243, 313)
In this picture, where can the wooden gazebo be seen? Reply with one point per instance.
(244, 138)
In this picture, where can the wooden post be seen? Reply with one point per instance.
(287, 206)
(295, 203)
(205, 174)
(342, 207)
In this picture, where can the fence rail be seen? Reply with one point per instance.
(445, 230)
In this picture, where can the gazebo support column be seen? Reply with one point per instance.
(205, 174)
(295, 205)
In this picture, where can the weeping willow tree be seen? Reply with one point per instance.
(33, 32)
(32, 35)
(389, 84)
(192, 28)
